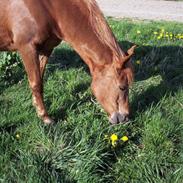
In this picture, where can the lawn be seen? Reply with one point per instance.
(76, 148)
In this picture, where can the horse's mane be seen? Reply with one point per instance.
(100, 26)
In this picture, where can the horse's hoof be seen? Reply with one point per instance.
(47, 120)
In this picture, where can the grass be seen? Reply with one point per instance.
(74, 149)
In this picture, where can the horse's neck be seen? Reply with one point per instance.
(87, 32)
(94, 53)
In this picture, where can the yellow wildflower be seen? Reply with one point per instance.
(155, 33)
(124, 138)
(17, 136)
(114, 139)
(138, 62)
(138, 32)
(159, 37)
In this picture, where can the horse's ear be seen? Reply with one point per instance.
(121, 64)
(129, 54)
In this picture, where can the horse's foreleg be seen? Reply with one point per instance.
(32, 66)
(43, 60)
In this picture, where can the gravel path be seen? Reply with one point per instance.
(143, 9)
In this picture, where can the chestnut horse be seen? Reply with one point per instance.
(35, 27)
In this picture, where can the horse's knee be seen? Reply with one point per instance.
(36, 87)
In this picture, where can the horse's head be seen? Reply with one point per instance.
(111, 88)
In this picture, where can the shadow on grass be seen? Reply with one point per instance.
(18, 75)
(63, 58)
(165, 61)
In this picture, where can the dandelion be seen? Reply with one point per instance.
(17, 136)
(159, 37)
(124, 138)
(138, 32)
(138, 62)
(155, 33)
(114, 139)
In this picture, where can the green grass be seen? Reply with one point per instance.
(74, 149)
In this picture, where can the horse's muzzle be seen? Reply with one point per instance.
(117, 118)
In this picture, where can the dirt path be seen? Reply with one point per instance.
(143, 9)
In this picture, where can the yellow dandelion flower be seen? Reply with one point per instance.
(138, 32)
(17, 136)
(158, 37)
(124, 138)
(155, 33)
(138, 62)
(114, 137)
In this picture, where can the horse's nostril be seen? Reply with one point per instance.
(118, 118)
(126, 118)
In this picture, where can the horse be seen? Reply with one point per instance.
(34, 28)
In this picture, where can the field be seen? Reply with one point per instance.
(76, 148)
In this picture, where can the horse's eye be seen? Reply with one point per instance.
(123, 88)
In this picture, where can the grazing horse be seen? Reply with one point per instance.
(35, 27)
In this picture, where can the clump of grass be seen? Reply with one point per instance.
(75, 148)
